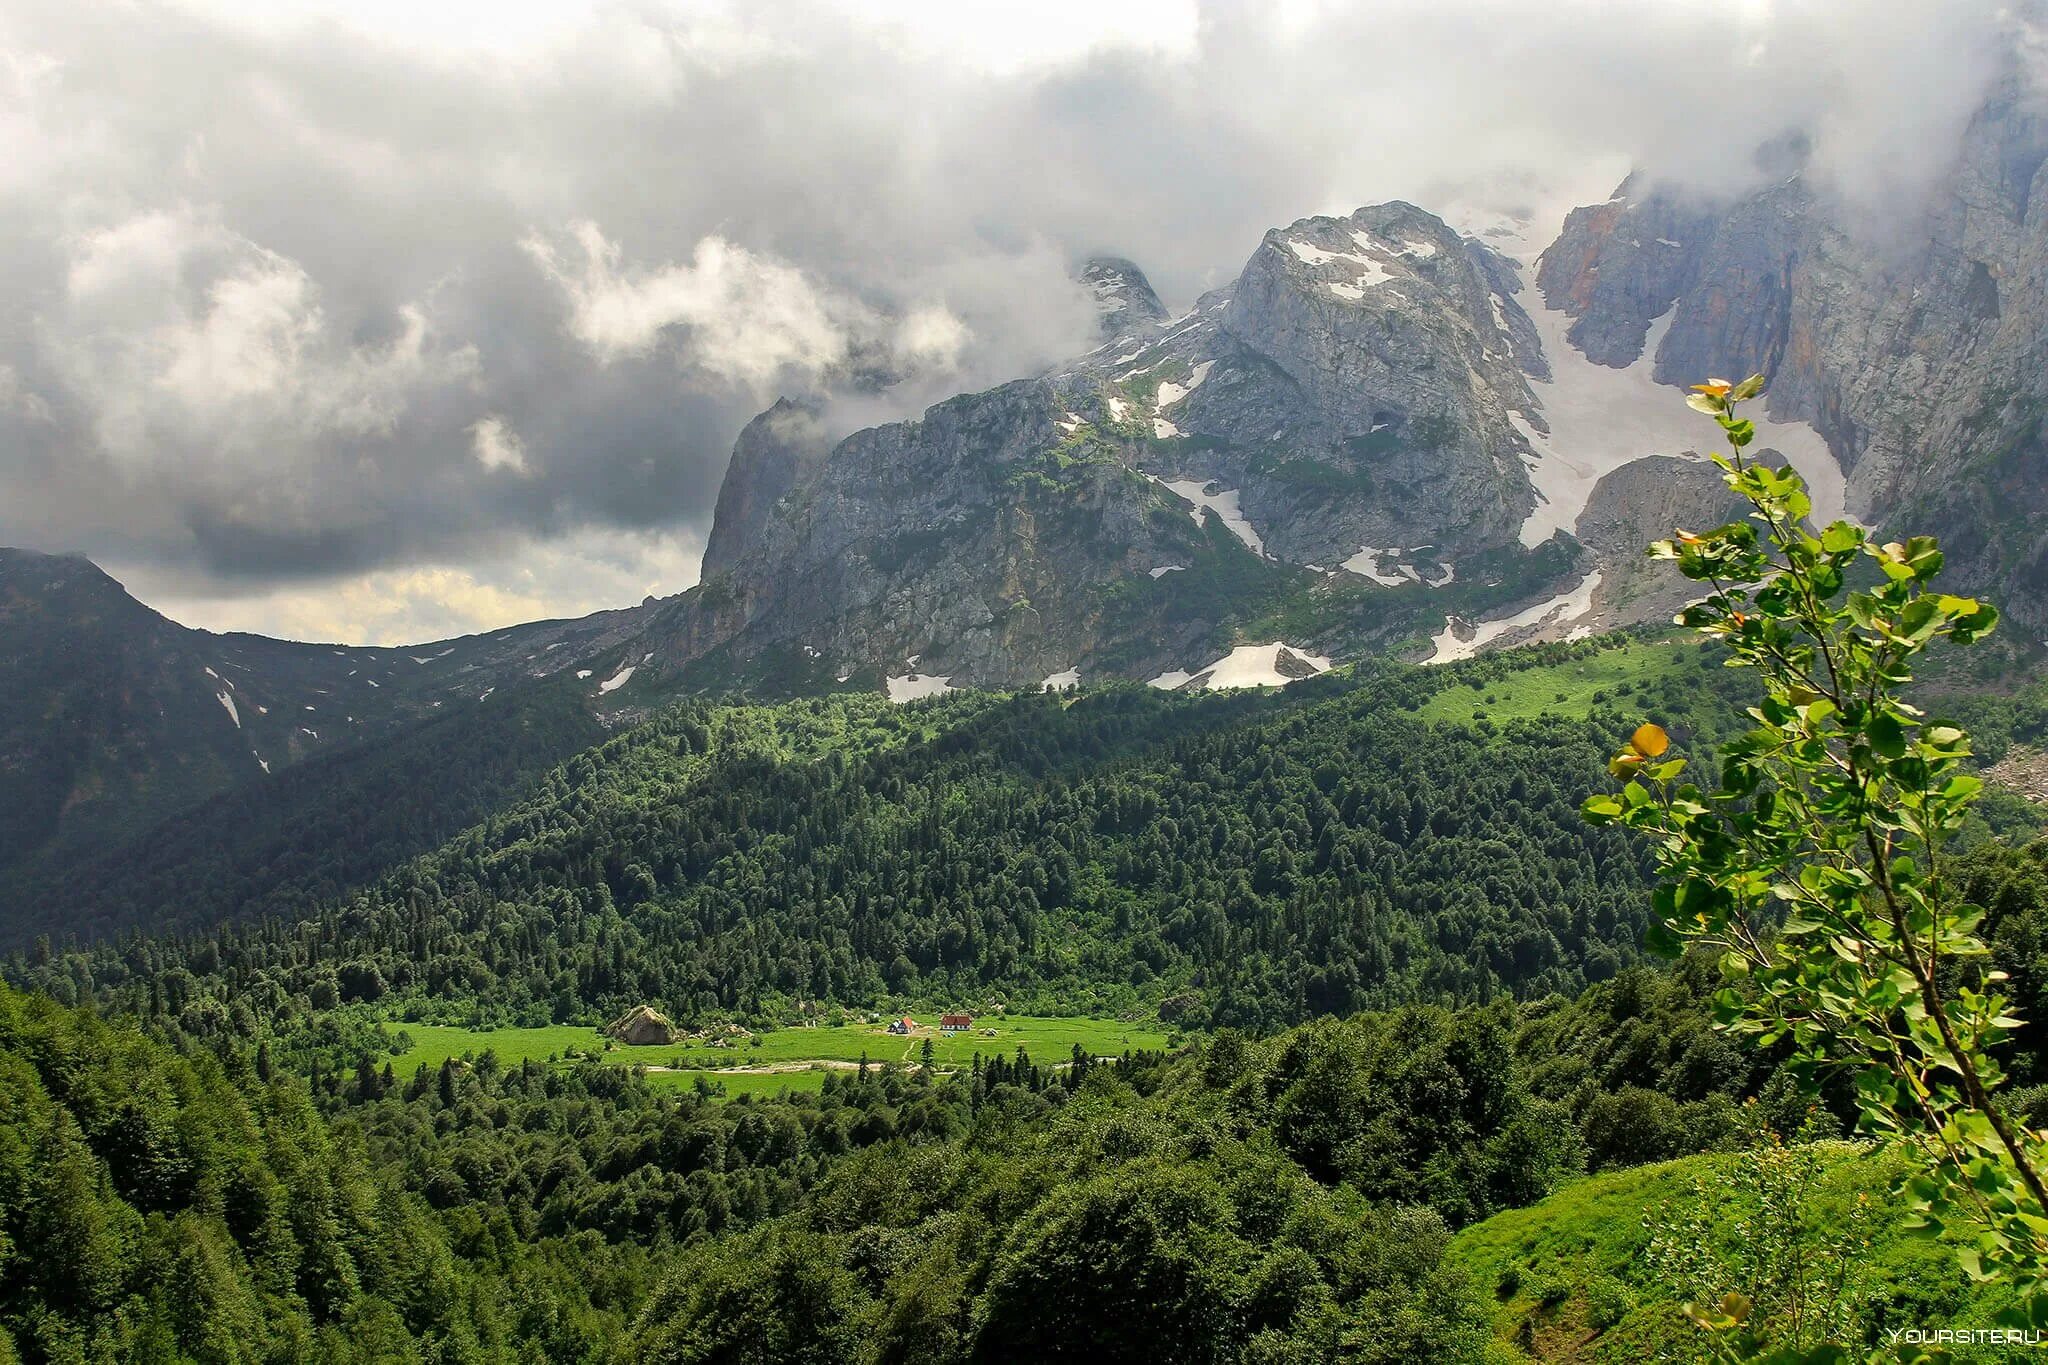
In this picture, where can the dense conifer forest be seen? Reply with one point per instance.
(1264, 859)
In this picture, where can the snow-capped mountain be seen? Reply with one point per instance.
(1917, 346)
(1432, 435)
(1376, 437)
(1391, 432)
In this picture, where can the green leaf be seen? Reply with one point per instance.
(1659, 939)
(1887, 736)
(1962, 787)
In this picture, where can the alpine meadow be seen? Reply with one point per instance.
(723, 686)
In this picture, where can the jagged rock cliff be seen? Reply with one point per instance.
(775, 452)
(1350, 390)
(1643, 501)
(1916, 345)
(1353, 384)
(1123, 297)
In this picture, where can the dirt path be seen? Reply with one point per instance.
(767, 1068)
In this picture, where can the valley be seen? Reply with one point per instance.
(1286, 687)
(767, 1061)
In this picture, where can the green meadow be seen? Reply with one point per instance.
(1565, 689)
(1046, 1039)
(731, 1085)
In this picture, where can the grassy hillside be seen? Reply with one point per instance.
(1573, 685)
(1588, 1273)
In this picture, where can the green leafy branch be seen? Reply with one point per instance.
(1815, 867)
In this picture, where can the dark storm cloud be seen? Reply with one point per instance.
(308, 299)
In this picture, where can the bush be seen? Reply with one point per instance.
(1608, 1301)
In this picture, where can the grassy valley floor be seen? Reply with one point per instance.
(782, 1059)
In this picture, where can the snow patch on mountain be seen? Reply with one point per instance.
(1311, 254)
(1171, 393)
(1600, 418)
(1567, 606)
(1271, 665)
(912, 686)
(1223, 503)
(1366, 563)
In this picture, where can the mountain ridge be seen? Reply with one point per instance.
(1386, 435)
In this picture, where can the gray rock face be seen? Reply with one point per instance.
(775, 452)
(1618, 265)
(1384, 327)
(1916, 347)
(1644, 501)
(1350, 389)
(989, 541)
(1123, 297)
(1351, 385)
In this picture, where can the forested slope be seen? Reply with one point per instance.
(1285, 1199)
(1256, 858)
(305, 836)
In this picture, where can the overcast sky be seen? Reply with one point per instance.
(385, 320)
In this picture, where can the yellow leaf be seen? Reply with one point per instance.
(1717, 387)
(1649, 740)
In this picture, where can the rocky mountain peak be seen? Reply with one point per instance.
(25, 571)
(1123, 297)
(774, 453)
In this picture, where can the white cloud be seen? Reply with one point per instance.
(177, 335)
(498, 447)
(930, 339)
(737, 316)
(993, 36)
(18, 400)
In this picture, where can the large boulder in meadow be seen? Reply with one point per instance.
(642, 1026)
